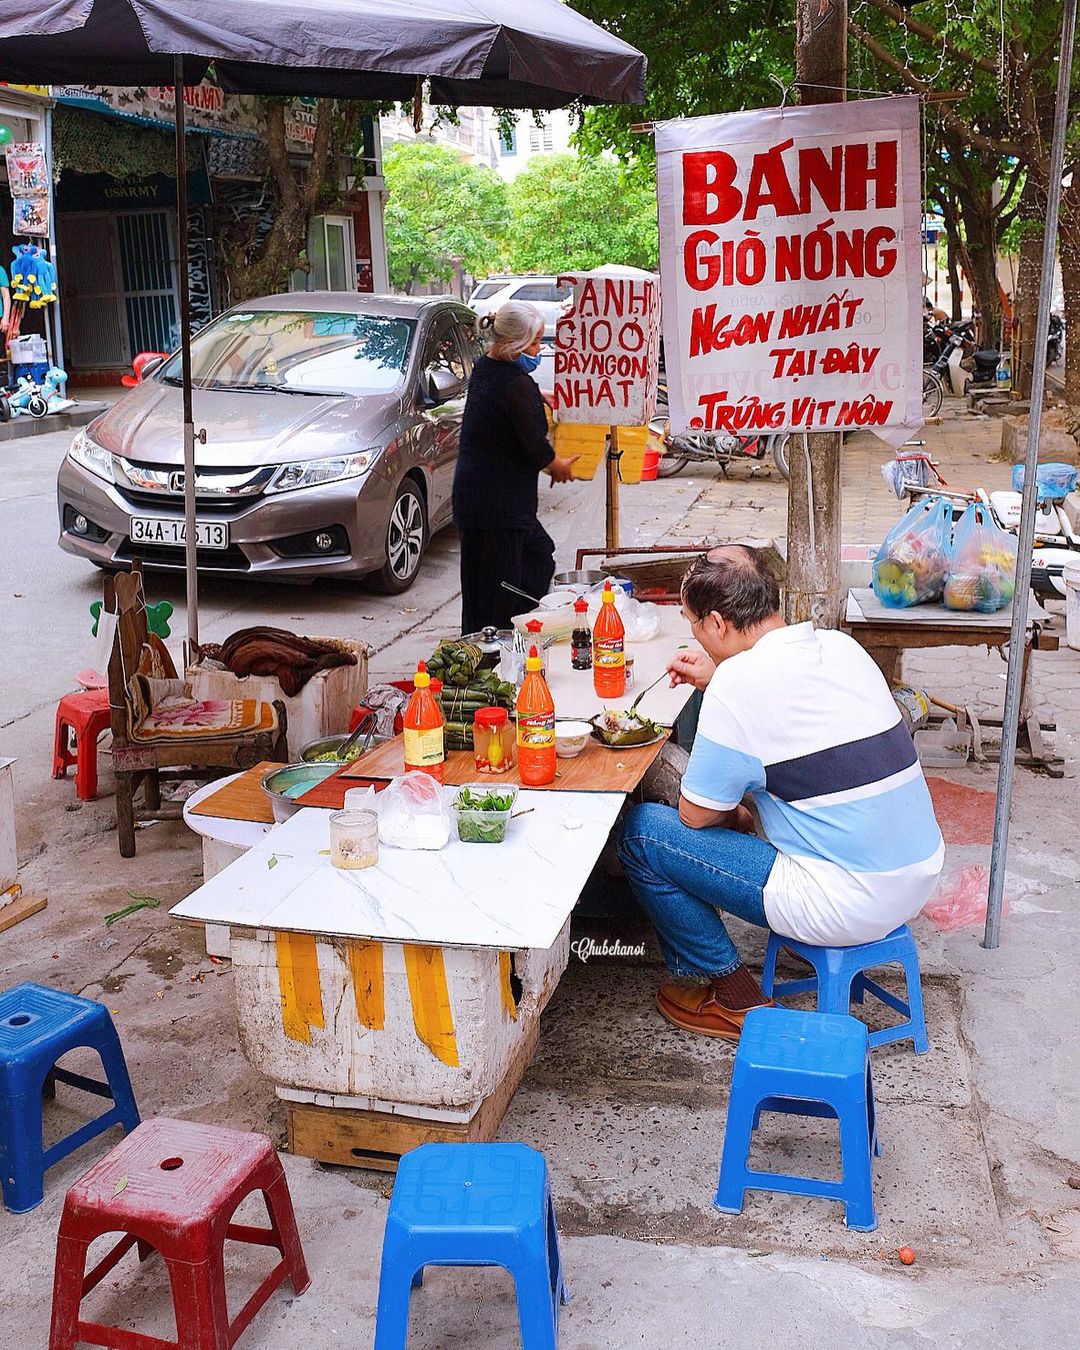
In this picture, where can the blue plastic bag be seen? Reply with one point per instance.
(913, 560)
(982, 569)
(1052, 481)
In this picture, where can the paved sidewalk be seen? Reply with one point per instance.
(980, 1137)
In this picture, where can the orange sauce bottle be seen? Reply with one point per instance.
(609, 650)
(535, 726)
(423, 726)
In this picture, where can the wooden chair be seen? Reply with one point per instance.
(144, 760)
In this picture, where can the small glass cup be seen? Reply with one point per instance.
(354, 839)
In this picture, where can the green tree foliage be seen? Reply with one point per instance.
(440, 211)
(704, 57)
(573, 212)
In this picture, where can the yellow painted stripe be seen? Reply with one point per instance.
(504, 986)
(293, 1018)
(432, 1016)
(366, 968)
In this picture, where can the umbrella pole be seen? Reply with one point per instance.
(191, 559)
(1010, 722)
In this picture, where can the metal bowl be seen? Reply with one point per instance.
(278, 781)
(309, 754)
(586, 577)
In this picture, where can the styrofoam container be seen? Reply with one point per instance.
(322, 708)
(1070, 574)
(391, 1063)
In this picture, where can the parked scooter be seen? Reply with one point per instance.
(717, 447)
(1055, 340)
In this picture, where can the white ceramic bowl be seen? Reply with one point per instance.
(570, 738)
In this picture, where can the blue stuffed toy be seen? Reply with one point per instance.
(25, 273)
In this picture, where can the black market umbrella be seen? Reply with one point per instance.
(499, 53)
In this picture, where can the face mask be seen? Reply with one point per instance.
(528, 363)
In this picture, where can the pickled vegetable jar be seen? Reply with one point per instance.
(493, 741)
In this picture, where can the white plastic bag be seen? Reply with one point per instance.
(413, 813)
(640, 619)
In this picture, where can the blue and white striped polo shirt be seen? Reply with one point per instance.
(804, 721)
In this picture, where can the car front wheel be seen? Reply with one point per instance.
(406, 537)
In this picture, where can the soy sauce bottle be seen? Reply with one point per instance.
(581, 638)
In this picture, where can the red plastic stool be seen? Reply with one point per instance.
(85, 714)
(174, 1185)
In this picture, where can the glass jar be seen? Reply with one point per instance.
(493, 741)
(354, 839)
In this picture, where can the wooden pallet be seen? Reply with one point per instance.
(377, 1139)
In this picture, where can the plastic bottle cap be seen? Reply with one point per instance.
(491, 717)
(421, 679)
(581, 605)
(535, 626)
(532, 661)
(608, 596)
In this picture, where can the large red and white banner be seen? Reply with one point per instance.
(791, 265)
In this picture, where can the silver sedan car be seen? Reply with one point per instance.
(331, 424)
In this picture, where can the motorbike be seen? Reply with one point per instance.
(959, 366)
(716, 447)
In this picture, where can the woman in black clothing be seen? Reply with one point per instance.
(504, 446)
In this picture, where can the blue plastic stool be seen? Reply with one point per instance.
(805, 1064)
(38, 1026)
(472, 1205)
(838, 980)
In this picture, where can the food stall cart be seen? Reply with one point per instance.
(401, 1003)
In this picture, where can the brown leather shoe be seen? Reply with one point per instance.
(694, 1008)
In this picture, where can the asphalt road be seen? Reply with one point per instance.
(45, 593)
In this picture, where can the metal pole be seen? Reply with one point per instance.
(191, 557)
(1013, 685)
(58, 332)
(611, 500)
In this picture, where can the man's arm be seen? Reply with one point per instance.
(702, 818)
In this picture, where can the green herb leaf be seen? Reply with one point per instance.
(271, 862)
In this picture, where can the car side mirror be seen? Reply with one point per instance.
(148, 367)
(441, 384)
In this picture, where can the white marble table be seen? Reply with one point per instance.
(573, 690)
(512, 895)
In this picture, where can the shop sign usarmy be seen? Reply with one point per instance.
(792, 270)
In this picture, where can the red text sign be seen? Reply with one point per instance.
(607, 348)
(791, 265)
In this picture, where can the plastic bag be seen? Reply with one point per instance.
(640, 618)
(1052, 481)
(913, 560)
(960, 899)
(982, 568)
(413, 813)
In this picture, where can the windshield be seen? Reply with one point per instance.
(298, 351)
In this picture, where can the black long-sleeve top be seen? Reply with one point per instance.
(504, 445)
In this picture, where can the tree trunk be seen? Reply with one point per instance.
(814, 501)
(981, 238)
(1069, 252)
(1027, 303)
(956, 287)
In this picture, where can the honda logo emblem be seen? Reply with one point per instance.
(176, 482)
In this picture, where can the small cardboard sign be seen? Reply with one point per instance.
(607, 349)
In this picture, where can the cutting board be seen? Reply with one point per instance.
(596, 769)
(242, 799)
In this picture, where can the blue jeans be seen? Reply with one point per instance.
(683, 878)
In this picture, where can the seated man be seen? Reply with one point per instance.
(804, 722)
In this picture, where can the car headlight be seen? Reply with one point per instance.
(90, 455)
(313, 472)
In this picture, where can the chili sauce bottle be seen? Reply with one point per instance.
(609, 649)
(423, 726)
(535, 727)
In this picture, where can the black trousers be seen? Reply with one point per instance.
(525, 558)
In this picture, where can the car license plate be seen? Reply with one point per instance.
(173, 533)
